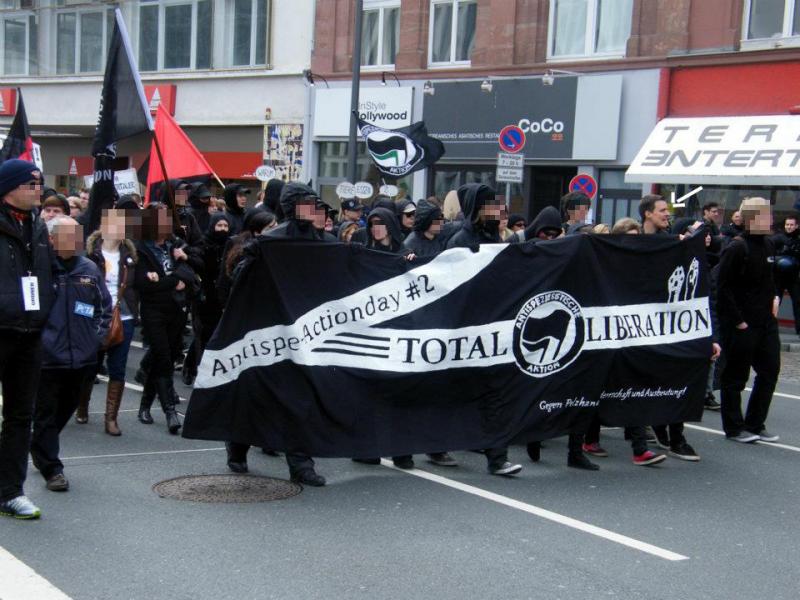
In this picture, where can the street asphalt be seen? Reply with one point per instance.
(726, 527)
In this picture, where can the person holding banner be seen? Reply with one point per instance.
(482, 214)
(305, 216)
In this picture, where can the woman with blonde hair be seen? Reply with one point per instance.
(627, 225)
(451, 208)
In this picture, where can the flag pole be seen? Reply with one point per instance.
(176, 225)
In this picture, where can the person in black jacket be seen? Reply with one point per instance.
(235, 203)
(426, 239)
(787, 265)
(747, 308)
(26, 297)
(199, 198)
(209, 307)
(734, 228)
(305, 219)
(482, 214)
(165, 281)
(75, 330)
(383, 231)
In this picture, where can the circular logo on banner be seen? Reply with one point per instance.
(264, 173)
(549, 332)
(511, 138)
(585, 184)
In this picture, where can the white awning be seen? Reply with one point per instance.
(721, 150)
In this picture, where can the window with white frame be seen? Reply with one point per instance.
(380, 33)
(771, 19)
(18, 39)
(580, 28)
(82, 38)
(175, 34)
(452, 31)
(247, 32)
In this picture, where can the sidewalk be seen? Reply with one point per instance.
(790, 341)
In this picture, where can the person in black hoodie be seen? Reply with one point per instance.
(164, 280)
(546, 226)
(383, 231)
(406, 211)
(199, 198)
(272, 198)
(747, 308)
(235, 202)
(25, 253)
(426, 239)
(482, 214)
(305, 219)
(734, 228)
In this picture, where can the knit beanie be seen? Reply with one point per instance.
(15, 172)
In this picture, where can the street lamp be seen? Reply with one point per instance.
(549, 77)
(310, 78)
(428, 89)
(383, 78)
(487, 86)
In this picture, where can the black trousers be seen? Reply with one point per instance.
(791, 284)
(675, 431)
(20, 363)
(59, 393)
(297, 463)
(638, 438)
(757, 347)
(163, 332)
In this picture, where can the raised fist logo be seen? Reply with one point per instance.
(691, 280)
(675, 284)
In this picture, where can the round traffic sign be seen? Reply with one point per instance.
(585, 184)
(511, 138)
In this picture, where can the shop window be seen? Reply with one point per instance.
(247, 32)
(381, 33)
(82, 39)
(771, 19)
(18, 38)
(586, 28)
(452, 31)
(175, 35)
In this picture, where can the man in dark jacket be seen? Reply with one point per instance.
(426, 239)
(235, 202)
(199, 197)
(747, 308)
(546, 226)
(78, 324)
(26, 297)
(734, 228)
(482, 214)
(787, 265)
(305, 219)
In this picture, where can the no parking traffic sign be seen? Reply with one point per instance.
(585, 184)
(511, 138)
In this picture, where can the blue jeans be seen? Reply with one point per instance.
(117, 357)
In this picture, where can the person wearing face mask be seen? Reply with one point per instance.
(482, 214)
(426, 239)
(199, 200)
(406, 211)
(305, 216)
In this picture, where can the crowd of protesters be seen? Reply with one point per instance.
(72, 299)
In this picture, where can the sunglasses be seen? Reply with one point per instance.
(410, 214)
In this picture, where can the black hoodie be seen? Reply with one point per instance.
(232, 209)
(197, 207)
(473, 197)
(416, 242)
(399, 208)
(272, 198)
(393, 227)
(291, 227)
(548, 218)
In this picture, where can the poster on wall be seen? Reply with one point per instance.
(283, 150)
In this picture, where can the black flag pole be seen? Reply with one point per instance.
(353, 143)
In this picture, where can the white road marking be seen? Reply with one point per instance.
(781, 394)
(718, 432)
(129, 454)
(136, 344)
(543, 513)
(19, 582)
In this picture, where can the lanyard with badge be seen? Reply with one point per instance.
(30, 292)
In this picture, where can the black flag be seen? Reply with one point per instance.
(18, 143)
(398, 152)
(124, 112)
(340, 351)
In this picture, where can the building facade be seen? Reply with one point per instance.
(587, 80)
(230, 71)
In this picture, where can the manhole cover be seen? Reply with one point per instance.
(226, 488)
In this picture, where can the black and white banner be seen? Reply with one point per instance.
(339, 351)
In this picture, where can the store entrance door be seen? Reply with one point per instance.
(548, 185)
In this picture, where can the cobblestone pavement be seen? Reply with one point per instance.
(790, 367)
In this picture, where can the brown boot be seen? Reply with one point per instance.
(113, 400)
(82, 412)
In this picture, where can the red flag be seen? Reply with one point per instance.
(18, 142)
(181, 158)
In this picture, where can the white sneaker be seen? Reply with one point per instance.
(766, 436)
(506, 468)
(20, 508)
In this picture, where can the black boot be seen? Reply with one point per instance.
(164, 389)
(237, 456)
(579, 461)
(148, 396)
(534, 451)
